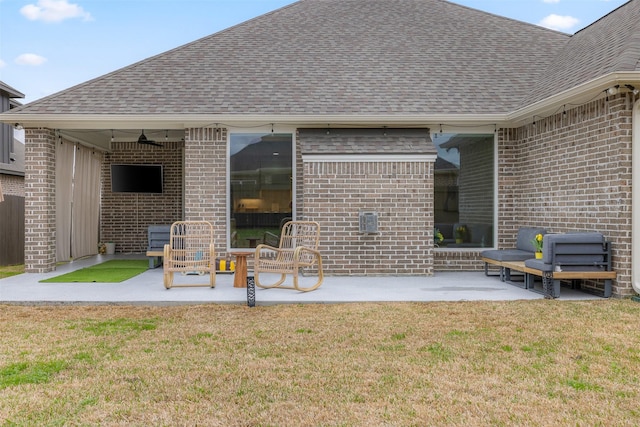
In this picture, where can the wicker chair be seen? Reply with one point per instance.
(298, 249)
(190, 251)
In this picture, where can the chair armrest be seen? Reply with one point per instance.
(300, 252)
(264, 247)
(265, 251)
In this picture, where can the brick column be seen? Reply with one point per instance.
(40, 200)
(205, 177)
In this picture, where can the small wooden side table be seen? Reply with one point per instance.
(240, 276)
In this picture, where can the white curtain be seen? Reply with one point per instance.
(64, 184)
(86, 203)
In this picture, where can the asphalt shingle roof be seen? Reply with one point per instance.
(356, 57)
(611, 44)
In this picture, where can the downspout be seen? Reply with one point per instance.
(635, 198)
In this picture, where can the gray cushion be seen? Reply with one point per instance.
(507, 254)
(525, 237)
(575, 248)
(538, 264)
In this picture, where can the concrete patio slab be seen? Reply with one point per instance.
(148, 288)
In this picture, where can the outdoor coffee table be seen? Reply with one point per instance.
(240, 276)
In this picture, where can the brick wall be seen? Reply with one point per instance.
(12, 185)
(125, 217)
(572, 172)
(206, 181)
(400, 191)
(457, 260)
(40, 200)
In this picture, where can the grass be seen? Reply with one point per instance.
(244, 233)
(112, 271)
(468, 363)
(11, 270)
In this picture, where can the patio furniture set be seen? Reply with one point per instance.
(566, 257)
(188, 248)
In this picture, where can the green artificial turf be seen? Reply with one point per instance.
(113, 271)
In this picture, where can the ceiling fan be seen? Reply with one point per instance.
(142, 139)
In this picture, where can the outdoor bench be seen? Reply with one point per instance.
(572, 256)
(568, 257)
(524, 250)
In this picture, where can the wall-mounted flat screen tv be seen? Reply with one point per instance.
(136, 178)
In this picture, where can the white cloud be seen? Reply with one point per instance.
(2, 63)
(560, 23)
(54, 11)
(550, 1)
(30, 59)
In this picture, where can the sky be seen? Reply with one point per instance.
(49, 45)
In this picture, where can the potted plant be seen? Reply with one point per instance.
(437, 237)
(537, 245)
(110, 248)
(461, 233)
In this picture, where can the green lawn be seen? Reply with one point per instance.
(11, 270)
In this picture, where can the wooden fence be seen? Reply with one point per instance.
(12, 230)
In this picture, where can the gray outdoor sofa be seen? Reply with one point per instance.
(571, 256)
(523, 251)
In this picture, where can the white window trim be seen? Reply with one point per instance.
(495, 189)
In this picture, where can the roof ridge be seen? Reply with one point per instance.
(539, 27)
(629, 58)
(153, 57)
(610, 44)
(340, 57)
(603, 17)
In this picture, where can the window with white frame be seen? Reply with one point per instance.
(464, 190)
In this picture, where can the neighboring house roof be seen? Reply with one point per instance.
(11, 92)
(342, 57)
(609, 45)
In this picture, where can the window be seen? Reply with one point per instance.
(464, 190)
(261, 187)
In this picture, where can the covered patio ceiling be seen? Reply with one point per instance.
(103, 138)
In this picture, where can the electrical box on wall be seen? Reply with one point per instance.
(368, 222)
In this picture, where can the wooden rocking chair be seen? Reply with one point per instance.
(298, 249)
(190, 251)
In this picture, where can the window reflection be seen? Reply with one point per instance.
(261, 183)
(464, 189)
